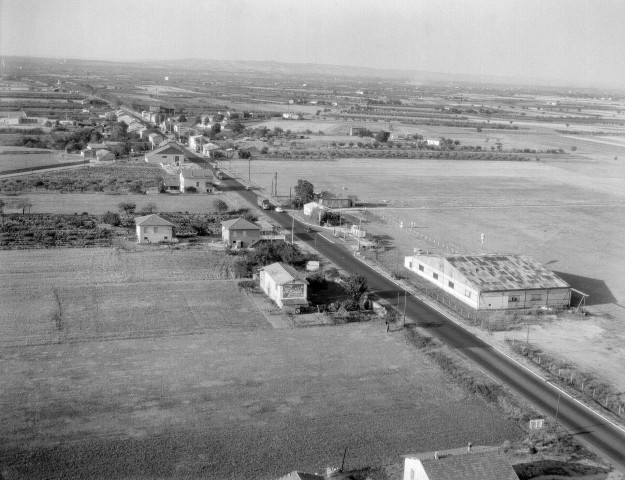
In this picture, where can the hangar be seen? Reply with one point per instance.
(493, 282)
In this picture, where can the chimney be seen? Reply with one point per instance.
(435, 455)
(469, 447)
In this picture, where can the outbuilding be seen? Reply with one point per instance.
(493, 282)
(284, 285)
(154, 229)
(239, 233)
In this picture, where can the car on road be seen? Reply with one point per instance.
(247, 187)
(279, 209)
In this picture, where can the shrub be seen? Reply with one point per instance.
(112, 218)
(190, 190)
(220, 205)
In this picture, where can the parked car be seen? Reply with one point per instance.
(279, 209)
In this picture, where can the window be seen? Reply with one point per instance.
(164, 156)
(177, 158)
(421, 268)
(145, 238)
(155, 229)
(245, 233)
(513, 298)
(451, 284)
(197, 184)
(165, 237)
(467, 293)
(536, 297)
(412, 474)
(435, 275)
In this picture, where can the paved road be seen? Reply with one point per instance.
(579, 420)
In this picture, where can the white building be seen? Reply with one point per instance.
(154, 229)
(468, 463)
(493, 282)
(196, 142)
(432, 142)
(200, 179)
(284, 285)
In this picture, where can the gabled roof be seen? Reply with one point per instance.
(239, 224)
(196, 173)
(282, 273)
(492, 273)
(211, 146)
(171, 148)
(482, 465)
(152, 220)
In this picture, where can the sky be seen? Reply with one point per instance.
(577, 42)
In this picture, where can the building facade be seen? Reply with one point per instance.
(200, 179)
(284, 285)
(493, 282)
(239, 233)
(154, 229)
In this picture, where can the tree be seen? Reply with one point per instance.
(112, 218)
(382, 136)
(220, 205)
(238, 127)
(137, 187)
(149, 208)
(573, 148)
(215, 128)
(355, 286)
(244, 154)
(304, 191)
(127, 207)
(182, 118)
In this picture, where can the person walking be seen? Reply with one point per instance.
(388, 326)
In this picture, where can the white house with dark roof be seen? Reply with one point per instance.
(104, 155)
(493, 282)
(284, 285)
(154, 229)
(468, 463)
(200, 179)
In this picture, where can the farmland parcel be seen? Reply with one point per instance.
(150, 364)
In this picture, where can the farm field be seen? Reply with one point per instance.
(97, 203)
(9, 162)
(250, 404)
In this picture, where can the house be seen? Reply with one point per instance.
(432, 142)
(239, 233)
(88, 153)
(154, 139)
(492, 282)
(209, 149)
(172, 154)
(196, 142)
(336, 202)
(253, 151)
(200, 179)
(468, 463)
(312, 207)
(302, 476)
(154, 229)
(104, 155)
(284, 285)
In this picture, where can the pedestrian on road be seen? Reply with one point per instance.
(388, 326)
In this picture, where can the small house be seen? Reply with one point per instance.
(284, 285)
(196, 142)
(468, 463)
(200, 179)
(104, 155)
(312, 207)
(239, 233)
(433, 143)
(154, 229)
(209, 149)
(171, 153)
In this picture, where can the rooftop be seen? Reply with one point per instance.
(504, 272)
(474, 465)
(282, 273)
(196, 173)
(152, 220)
(239, 224)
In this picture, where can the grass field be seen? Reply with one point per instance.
(147, 364)
(9, 162)
(97, 203)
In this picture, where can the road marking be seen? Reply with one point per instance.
(331, 241)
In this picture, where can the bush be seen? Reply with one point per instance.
(190, 190)
(249, 285)
(112, 218)
(220, 205)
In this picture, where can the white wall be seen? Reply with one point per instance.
(162, 234)
(413, 470)
(460, 290)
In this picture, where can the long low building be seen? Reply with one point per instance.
(493, 282)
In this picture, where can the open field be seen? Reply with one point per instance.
(147, 364)
(97, 203)
(9, 162)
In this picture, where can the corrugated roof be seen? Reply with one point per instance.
(470, 466)
(504, 272)
(152, 220)
(282, 273)
(239, 224)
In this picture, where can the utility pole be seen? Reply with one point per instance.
(404, 308)
(359, 225)
(557, 411)
(292, 230)
(249, 169)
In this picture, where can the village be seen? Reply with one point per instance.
(312, 262)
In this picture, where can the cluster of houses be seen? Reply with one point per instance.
(467, 463)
